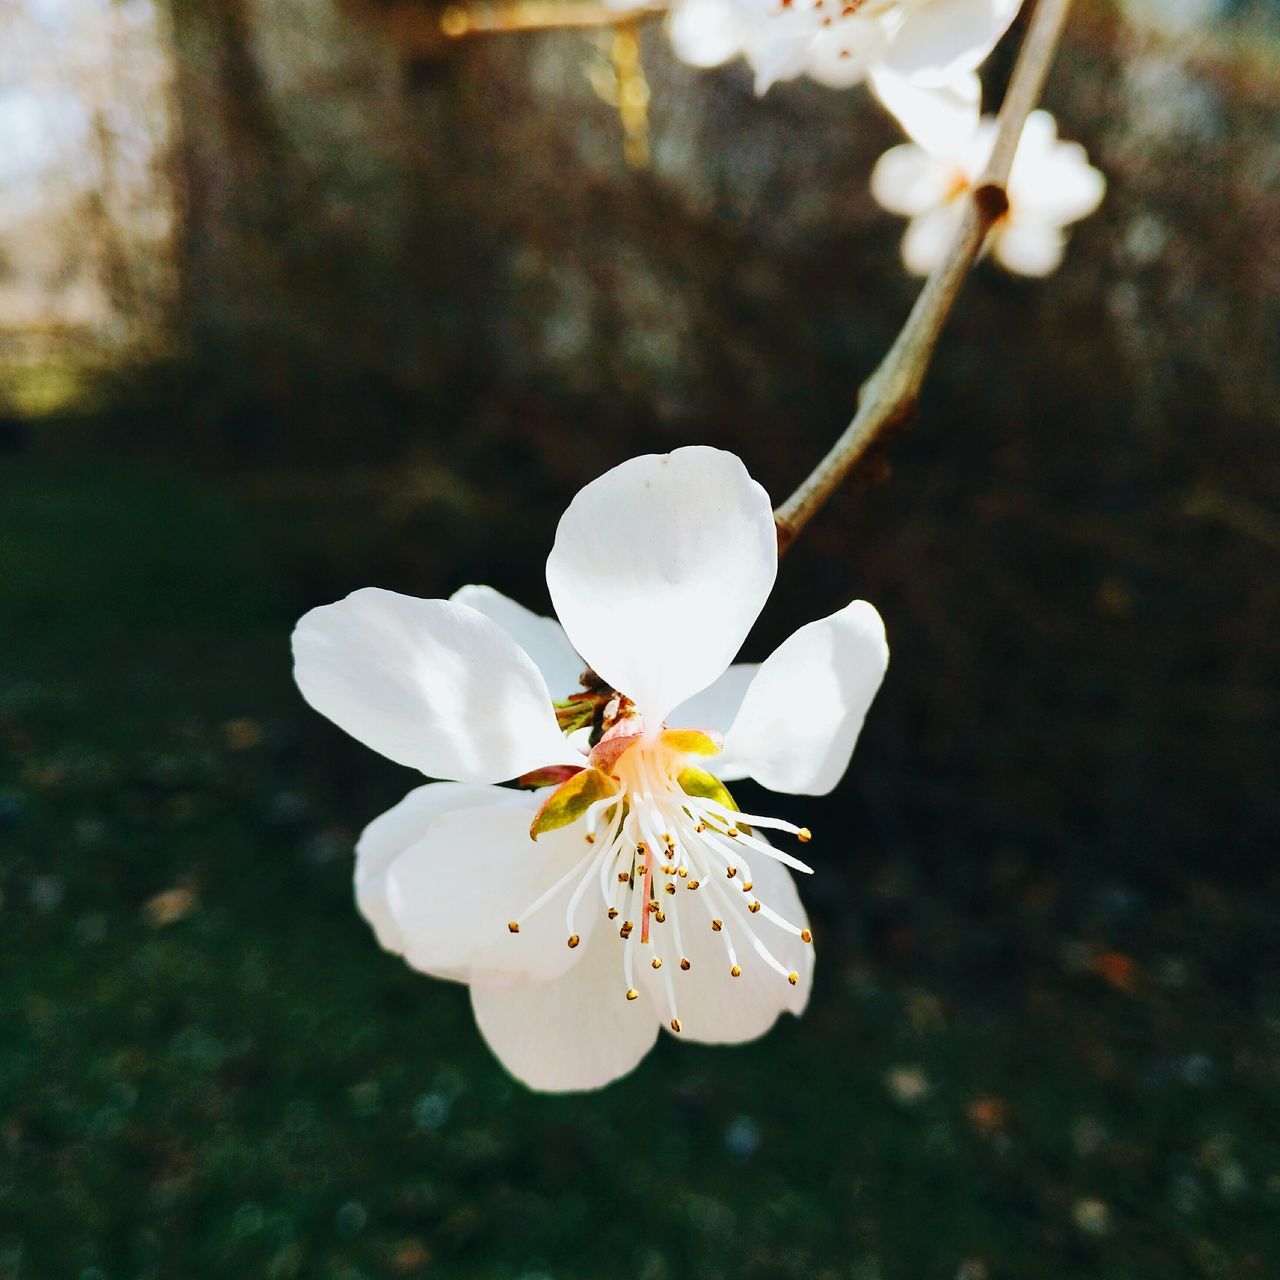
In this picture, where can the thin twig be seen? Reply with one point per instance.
(458, 21)
(888, 398)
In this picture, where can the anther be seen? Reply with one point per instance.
(656, 962)
(642, 850)
(660, 917)
(805, 935)
(685, 965)
(573, 941)
(731, 872)
(717, 925)
(700, 828)
(736, 971)
(731, 832)
(613, 913)
(804, 835)
(632, 994)
(514, 927)
(624, 876)
(670, 887)
(675, 1025)
(753, 907)
(683, 872)
(590, 839)
(746, 886)
(793, 977)
(693, 884)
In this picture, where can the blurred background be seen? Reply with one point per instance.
(298, 296)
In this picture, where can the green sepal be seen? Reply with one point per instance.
(569, 801)
(706, 786)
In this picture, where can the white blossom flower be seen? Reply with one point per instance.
(919, 56)
(644, 897)
(1051, 185)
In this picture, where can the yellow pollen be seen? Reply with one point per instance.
(731, 872)
(657, 962)
(667, 839)
(632, 994)
(514, 927)
(746, 886)
(573, 941)
(613, 913)
(641, 849)
(736, 971)
(717, 925)
(590, 838)
(670, 887)
(753, 907)
(675, 1025)
(660, 917)
(700, 828)
(685, 965)
(731, 832)
(804, 835)
(805, 935)
(683, 872)
(793, 977)
(693, 884)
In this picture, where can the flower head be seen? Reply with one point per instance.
(1051, 185)
(617, 888)
(919, 56)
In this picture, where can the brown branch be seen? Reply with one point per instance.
(458, 21)
(888, 398)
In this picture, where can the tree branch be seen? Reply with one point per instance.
(458, 21)
(888, 398)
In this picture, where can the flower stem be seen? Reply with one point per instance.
(889, 397)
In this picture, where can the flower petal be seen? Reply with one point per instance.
(940, 118)
(714, 1007)
(804, 710)
(928, 237)
(401, 827)
(705, 33)
(1029, 247)
(543, 639)
(454, 892)
(840, 54)
(716, 706)
(659, 569)
(430, 684)
(573, 1033)
(942, 37)
(908, 180)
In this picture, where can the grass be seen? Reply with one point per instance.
(208, 1068)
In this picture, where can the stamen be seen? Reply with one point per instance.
(632, 993)
(805, 935)
(573, 941)
(514, 926)
(675, 1025)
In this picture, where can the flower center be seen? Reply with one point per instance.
(669, 852)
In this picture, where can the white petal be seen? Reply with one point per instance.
(777, 45)
(705, 33)
(942, 37)
(543, 639)
(716, 706)
(453, 893)
(402, 826)
(929, 236)
(1063, 189)
(1029, 248)
(840, 54)
(714, 1007)
(908, 180)
(804, 710)
(659, 569)
(941, 118)
(576, 1032)
(430, 684)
